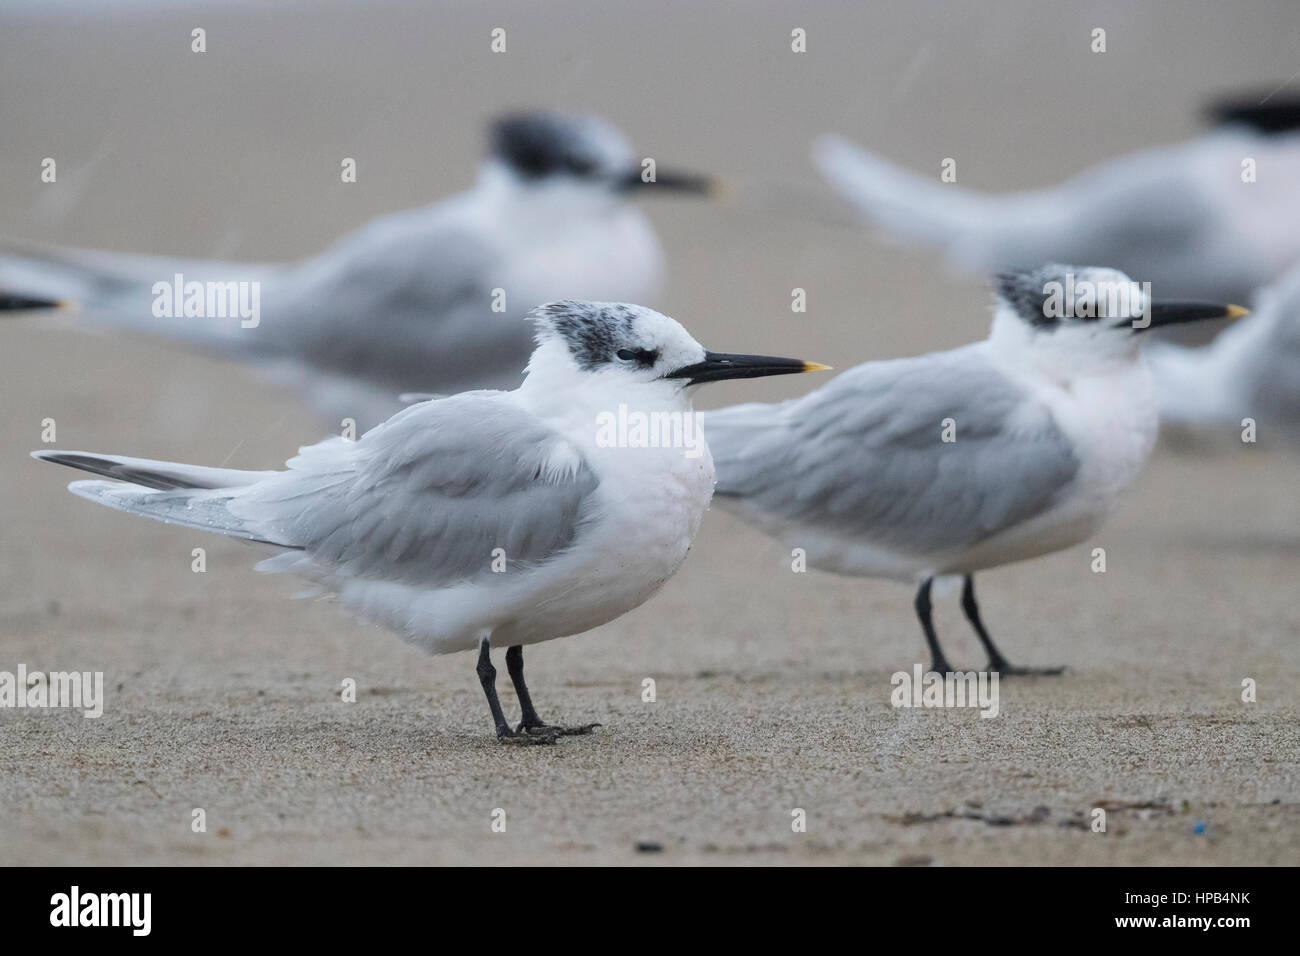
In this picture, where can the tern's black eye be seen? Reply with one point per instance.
(643, 357)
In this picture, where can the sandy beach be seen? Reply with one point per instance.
(772, 688)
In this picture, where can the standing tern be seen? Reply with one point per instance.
(953, 462)
(486, 518)
(1210, 218)
(428, 300)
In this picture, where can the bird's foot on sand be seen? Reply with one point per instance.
(528, 738)
(556, 731)
(1011, 670)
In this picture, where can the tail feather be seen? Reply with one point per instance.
(900, 202)
(201, 511)
(117, 289)
(192, 496)
(148, 473)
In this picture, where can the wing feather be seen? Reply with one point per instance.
(428, 496)
(865, 457)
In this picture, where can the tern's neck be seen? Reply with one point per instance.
(574, 400)
(595, 393)
(549, 200)
(1058, 357)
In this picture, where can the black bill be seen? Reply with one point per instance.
(718, 366)
(669, 181)
(1176, 313)
(14, 302)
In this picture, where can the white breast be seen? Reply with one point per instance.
(1111, 421)
(652, 503)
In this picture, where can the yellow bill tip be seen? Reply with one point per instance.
(815, 367)
(1236, 311)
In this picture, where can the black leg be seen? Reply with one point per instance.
(532, 723)
(487, 675)
(515, 664)
(996, 661)
(938, 662)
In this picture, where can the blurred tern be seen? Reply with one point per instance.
(953, 462)
(428, 300)
(487, 518)
(1180, 217)
(1251, 370)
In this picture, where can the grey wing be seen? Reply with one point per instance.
(428, 497)
(865, 456)
(407, 302)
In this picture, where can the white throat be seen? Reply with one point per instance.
(1061, 356)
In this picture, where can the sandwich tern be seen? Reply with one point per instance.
(486, 518)
(953, 462)
(1211, 218)
(427, 300)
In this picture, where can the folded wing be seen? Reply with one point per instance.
(429, 496)
(865, 456)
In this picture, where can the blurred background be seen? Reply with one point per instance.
(223, 686)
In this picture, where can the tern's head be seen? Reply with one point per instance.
(623, 346)
(546, 150)
(1078, 318)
